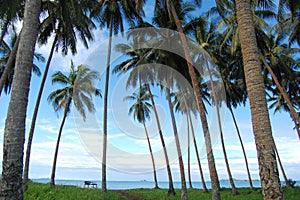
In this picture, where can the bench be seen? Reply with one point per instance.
(90, 183)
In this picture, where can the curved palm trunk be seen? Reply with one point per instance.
(184, 195)
(233, 188)
(189, 153)
(52, 179)
(171, 190)
(34, 116)
(152, 158)
(14, 132)
(197, 155)
(104, 189)
(287, 183)
(210, 156)
(242, 145)
(294, 114)
(268, 169)
(297, 126)
(9, 65)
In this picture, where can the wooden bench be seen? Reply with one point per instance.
(90, 183)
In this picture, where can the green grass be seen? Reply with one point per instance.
(245, 193)
(38, 191)
(44, 192)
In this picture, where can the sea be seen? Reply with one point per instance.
(124, 185)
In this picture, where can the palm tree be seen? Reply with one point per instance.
(180, 104)
(10, 11)
(280, 63)
(111, 14)
(141, 111)
(184, 195)
(140, 74)
(78, 89)
(66, 20)
(205, 35)
(6, 50)
(198, 96)
(12, 167)
(271, 188)
(289, 19)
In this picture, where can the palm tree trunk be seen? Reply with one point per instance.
(287, 183)
(104, 189)
(184, 195)
(171, 190)
(9, 65)
(233, 188)
(152, 157)
(268, 169)
(197, 155)
(14, 132)
(242, 145)
(297, 126)
(284, 94)
(52, 179)
(189, 153)
(34, 116)
(210, 156)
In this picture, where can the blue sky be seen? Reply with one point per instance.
(80, 149)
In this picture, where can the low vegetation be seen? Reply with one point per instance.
(45, 192)
(39, 191)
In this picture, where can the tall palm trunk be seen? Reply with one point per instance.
(233, 188)
(243, 148)
(34, 116)
(287, 183)
(297, 126)
(210, 156)
(52, 180)
(104, 189)
(184, 195)
(189, 153)
(152, 157)
(293, 112)
(171, 190)
(197, 155)
(14, 132)
(9, 64)
(268, 169)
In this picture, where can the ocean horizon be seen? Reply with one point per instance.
(124, 185)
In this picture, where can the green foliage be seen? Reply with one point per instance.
(38, 191)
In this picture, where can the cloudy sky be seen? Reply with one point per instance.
(80, 150)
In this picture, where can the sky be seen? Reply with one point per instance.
(80, 149)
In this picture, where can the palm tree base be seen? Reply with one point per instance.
(171, 191)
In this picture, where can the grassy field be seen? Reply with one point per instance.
(245, 193)
(44, 192)
(38, 191)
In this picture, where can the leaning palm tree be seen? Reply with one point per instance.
(145, 75)
(140, 110)
(185, 103)
(67, 20)
(111, 14)
(5, 51)
(268, 172)
(210, 157)
(78, 89)
(12, 167)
